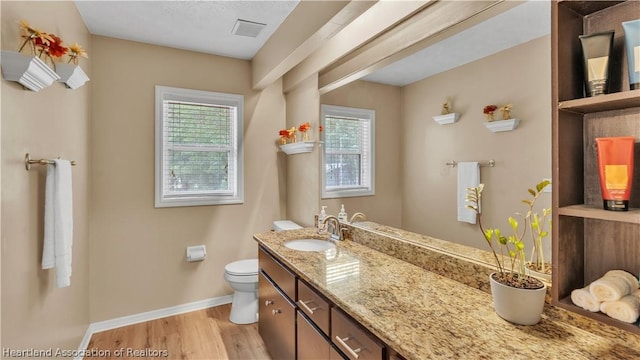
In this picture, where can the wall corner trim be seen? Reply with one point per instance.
(148, 316)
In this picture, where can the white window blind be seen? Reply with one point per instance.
(348, 156)
(198, 156)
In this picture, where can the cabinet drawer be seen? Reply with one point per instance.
(316, 308)
(312, 345)
(354, 341)
(280, 275)
(277, 321)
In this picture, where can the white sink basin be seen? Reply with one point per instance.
(310, 245)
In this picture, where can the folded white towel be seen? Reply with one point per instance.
(58, 236)
(584, 299)
(626, 309)
(627, 276)
(609, 288)
(468, 176)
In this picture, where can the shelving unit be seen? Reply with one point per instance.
(587, 240)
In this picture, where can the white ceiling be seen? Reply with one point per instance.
(206, 26)
(203, 26)
(518, 25)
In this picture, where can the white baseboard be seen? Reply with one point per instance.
(149, 315)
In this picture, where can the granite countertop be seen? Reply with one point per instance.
(423, 315)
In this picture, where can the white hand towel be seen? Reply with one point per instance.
(627, 276)
(468, 176)
(609, 288)
(48, 256)
(582, 298)
(58, 236)
(626, 309)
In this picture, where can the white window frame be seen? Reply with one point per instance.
(236, 178)
(369, 165)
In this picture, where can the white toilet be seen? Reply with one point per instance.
(242, 276)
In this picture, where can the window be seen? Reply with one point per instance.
(347, 156)
(198, 148)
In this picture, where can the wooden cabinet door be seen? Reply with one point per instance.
(276, 322)
(311, 344)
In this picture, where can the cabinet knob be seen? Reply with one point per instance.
(268, 302)
(276, 312)
(343, 344)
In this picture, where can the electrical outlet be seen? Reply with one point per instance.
(548, 188)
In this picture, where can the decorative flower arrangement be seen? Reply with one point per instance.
(292, 134)
(506, 111)
(488, 110)
(287, 135)
(48, 45)
(446, 108)
(76, 51)
(303, 129)
(284, 134)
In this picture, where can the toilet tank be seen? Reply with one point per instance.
(285, 225)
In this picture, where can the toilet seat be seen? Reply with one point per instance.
(247, 267)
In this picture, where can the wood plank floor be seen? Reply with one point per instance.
(205, 334)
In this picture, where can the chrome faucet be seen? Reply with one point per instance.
(333, 227)
(358, 215)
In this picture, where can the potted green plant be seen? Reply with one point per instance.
(518, 297)
(535, 225)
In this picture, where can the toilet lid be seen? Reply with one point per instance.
(242, 267)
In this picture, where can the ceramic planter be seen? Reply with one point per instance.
(519, 306)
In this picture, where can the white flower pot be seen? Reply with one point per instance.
(519, 306)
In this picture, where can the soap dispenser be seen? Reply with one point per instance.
(322, 227)
(342, 215)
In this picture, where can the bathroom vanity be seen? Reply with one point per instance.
(389, 294)
(297, 322)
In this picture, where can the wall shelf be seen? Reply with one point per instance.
(446, 118)
(71, 75)
(299, 147)
(502, 125)
(29, 71)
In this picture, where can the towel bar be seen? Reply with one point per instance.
(28, 162)
(490, 163)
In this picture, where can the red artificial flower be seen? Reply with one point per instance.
(284, 133)
(304, 127)
(489, 109)
(54, 48)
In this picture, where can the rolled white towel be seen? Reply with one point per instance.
(609, 288)
(636, 293)
(584, 299)
(627, 276)
(626, 309)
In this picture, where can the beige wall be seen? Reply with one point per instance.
(303, 170)
(137, 251)
(385, 207)
(519, 76)
(50, 123)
